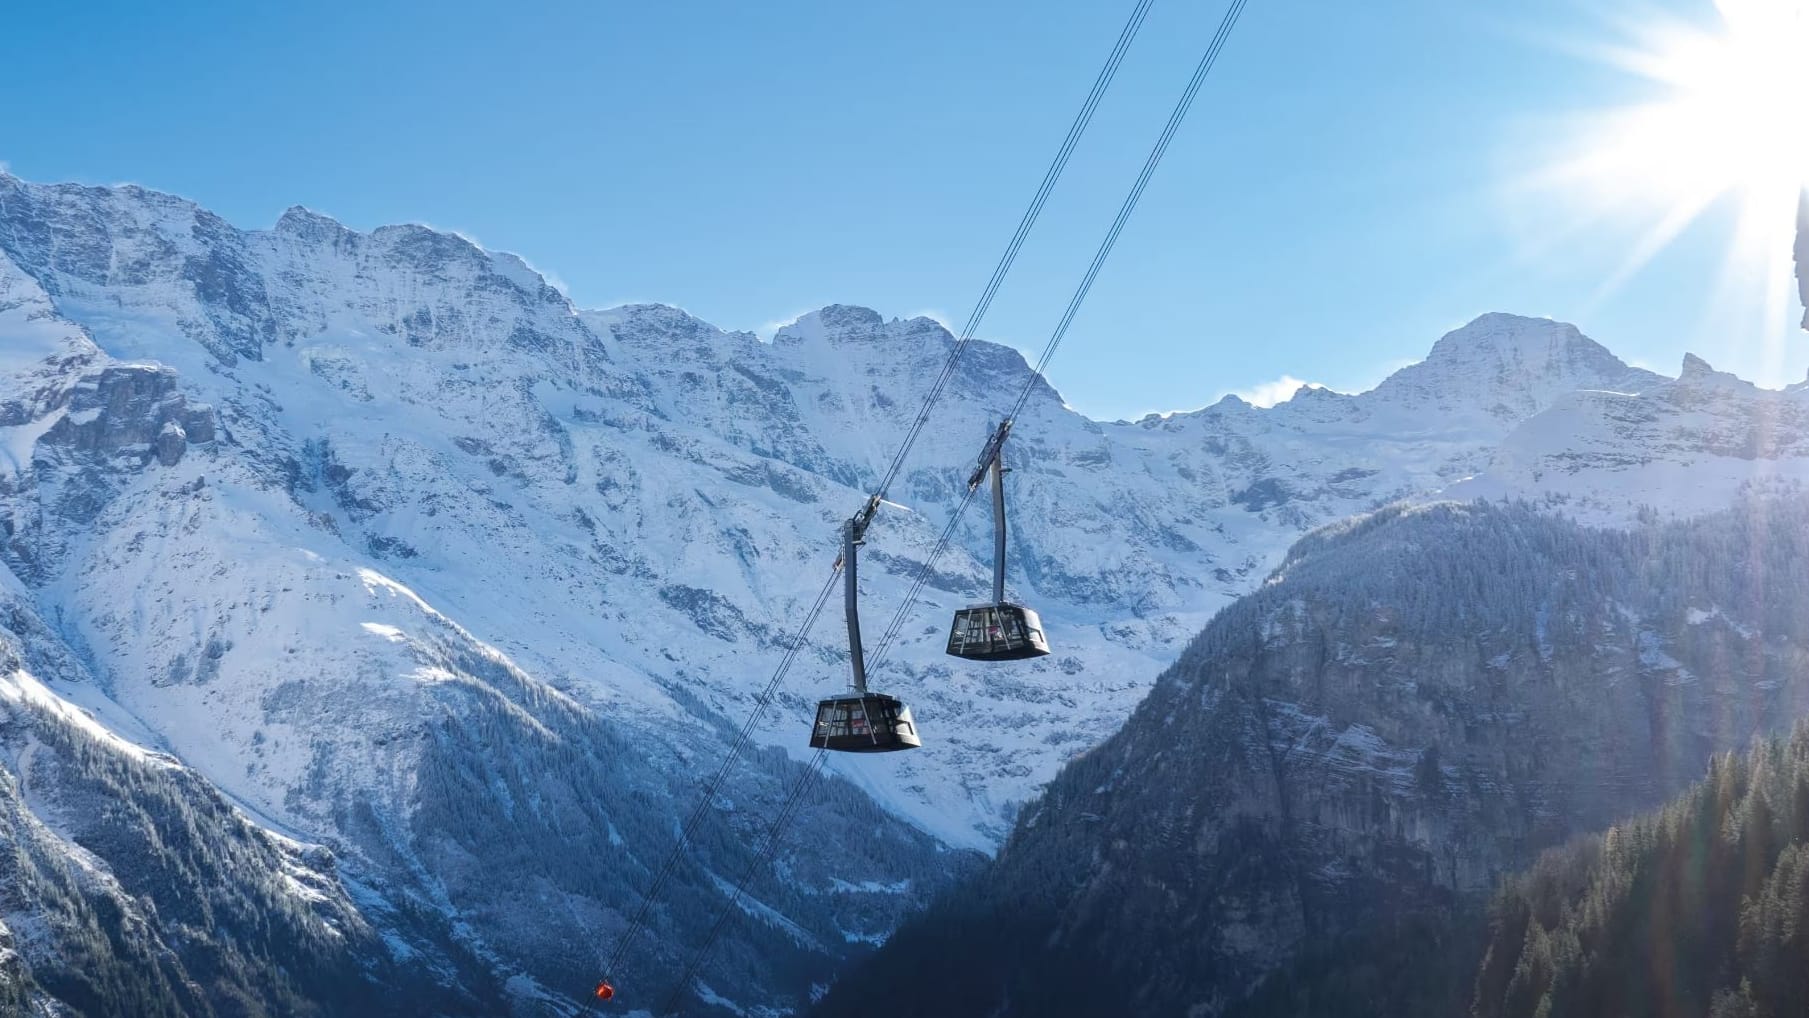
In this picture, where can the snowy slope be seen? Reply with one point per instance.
(1680, 448)
(227, 575)
(130, 886)
(439, 411)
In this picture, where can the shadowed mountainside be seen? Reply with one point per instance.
(1308, 813)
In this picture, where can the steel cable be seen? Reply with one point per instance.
(1176, 117)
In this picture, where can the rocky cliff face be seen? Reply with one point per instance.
(1802, 253)
(1345, 762)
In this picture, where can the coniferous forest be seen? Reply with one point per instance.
(1700, 909)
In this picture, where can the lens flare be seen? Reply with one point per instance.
(1724, 119)
(1734, 115)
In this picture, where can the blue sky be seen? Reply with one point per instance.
(1342, 194)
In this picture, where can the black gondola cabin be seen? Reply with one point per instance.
(864, 723)
(997, 632)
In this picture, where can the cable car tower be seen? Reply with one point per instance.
(999, 630)
(863, 721)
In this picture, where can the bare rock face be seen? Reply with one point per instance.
(1802, 253)
(132, 409)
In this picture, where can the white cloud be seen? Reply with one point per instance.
(1267, 394)
(767, 329)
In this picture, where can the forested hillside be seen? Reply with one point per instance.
(1700, 910)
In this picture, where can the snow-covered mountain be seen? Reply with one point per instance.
(406, 555)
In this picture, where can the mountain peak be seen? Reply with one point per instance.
(1509, 366)
(653, 325)
(1699, 376)
(834, 323)
(847, 318)
(1695, 367)
(304, 223)
(1493, 335)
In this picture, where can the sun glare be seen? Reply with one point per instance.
(1734, 108)
(1726, 120)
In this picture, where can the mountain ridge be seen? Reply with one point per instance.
(751, 405)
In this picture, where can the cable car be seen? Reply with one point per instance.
(863, 721)
(997, 630)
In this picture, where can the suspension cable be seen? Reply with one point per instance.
(1175, 117)
(626, 938)
(1070, 141)
(1031, 214)
(776, 830)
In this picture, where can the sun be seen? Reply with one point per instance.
(1723, 117)
(1733, 114)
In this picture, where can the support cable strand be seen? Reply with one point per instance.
(715, 784)
(1176, 117)
(774, 833)
(1075, 130)
(1105, 249)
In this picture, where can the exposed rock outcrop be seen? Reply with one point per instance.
(132, 409)
(1802, 253)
